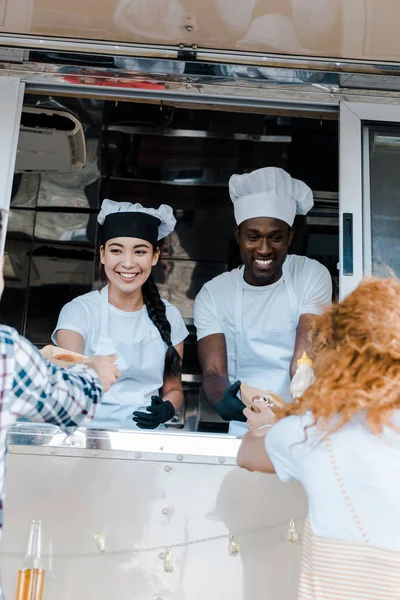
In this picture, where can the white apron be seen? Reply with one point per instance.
(142, 369)
(343, 570)
(263, 355)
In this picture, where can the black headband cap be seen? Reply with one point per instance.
(131, 224)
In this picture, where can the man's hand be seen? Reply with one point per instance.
(230, 408)
(105, 368)
(160, 411)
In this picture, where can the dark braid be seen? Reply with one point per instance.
(157, 313)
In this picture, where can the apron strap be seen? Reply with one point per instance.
(239, 300)
(238, 311)
(346, 497)
(104, 312)
(293, 301)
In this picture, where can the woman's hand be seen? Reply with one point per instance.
(256, 421)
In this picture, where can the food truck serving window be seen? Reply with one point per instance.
(152, 155)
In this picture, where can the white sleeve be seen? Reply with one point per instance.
(179, 331)
(205, 316)
(318, 290)
(285, 443)
(74, 316)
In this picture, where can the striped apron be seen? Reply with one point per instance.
(341, 570)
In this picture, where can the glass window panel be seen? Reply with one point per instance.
(186, 160)
(17, 261)
(384, 171)
(64, 227)
(213, 235)
(56, 278)
(179, 281)
(62, 268)
(25, 190)
(76, 190)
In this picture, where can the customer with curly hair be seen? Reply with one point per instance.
(341, 440)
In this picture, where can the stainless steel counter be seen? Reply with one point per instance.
(112, 505)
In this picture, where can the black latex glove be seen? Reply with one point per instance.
(230, 408)
(160, 411)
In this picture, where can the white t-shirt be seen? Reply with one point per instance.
(369, 467)
(214, 308)
(83, 315)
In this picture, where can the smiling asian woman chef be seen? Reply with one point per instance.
(129, 318)
(252, 323)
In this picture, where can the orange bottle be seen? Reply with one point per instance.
(31, 576)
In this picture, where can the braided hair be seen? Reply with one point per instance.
(157, 313)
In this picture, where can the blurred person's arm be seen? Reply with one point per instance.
(43, 392)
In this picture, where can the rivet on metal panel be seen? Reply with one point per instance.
(167, 468)
(52, 450)
(221, 460)
(179, 458)
(95, 453)
(189, 28)
(138, 455)
(165, 511)
(181, 46)
(194, 47)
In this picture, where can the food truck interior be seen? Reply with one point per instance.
(74, 152)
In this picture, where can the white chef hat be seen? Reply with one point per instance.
(124, 219)
(269, 192)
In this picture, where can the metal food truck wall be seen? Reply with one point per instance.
(366, 29)
(150, 517)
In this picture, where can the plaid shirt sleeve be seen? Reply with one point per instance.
(46, 393)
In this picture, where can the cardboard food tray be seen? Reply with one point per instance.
(51, 353)
(248, 393)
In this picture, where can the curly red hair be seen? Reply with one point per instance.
(356, 345)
